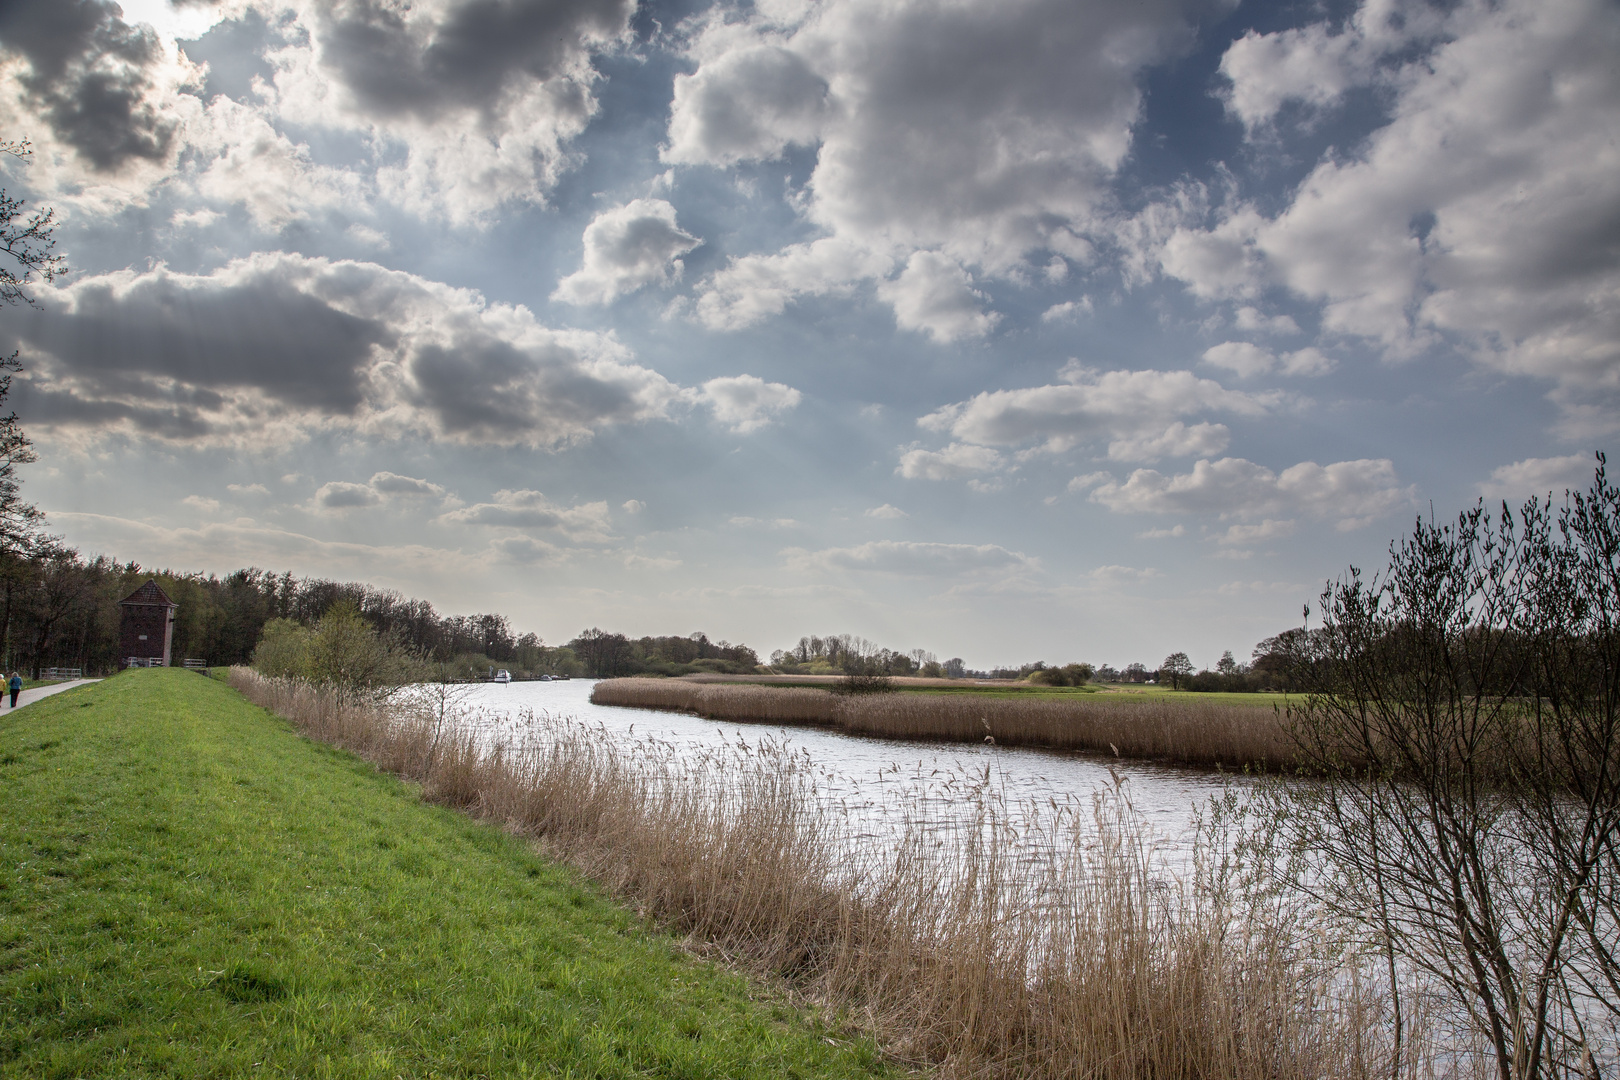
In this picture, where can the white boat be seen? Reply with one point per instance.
(502, 676)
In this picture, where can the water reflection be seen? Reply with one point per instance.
(877, 785)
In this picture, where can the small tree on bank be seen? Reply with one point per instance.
(1461, 726)
(1176, 667)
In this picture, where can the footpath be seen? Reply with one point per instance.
(188, 888)
(28, 697)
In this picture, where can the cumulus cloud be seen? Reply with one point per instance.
(1478, 215)
(885, 512)
(1349, 493)
(1538, 476)
(250, 163)
(746, 403)
(936, 296)
(345, 495)
(911, 558)
(626, 248)
(104, 101)
(477, 101)
(984, 133)
(276, 345)
(749, 100)
(753, 288)
(461, 105)
(1246, 360)
(1136, 412)
(409, 487)
(1314, 66)
(956, 461)
(528, 509)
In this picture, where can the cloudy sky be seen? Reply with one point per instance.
(1006, 329)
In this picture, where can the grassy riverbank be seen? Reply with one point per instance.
(1186, 729)
(1029, 941)
(191, 889)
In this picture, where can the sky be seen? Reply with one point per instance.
(1005, 329)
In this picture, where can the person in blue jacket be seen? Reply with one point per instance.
(15, 686)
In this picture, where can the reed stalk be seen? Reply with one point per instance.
(1189, 732)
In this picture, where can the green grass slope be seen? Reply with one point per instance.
(188, 888)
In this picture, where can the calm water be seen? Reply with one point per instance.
(876, 783)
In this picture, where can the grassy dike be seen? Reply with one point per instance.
(188, 888)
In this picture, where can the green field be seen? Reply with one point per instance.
(188, 888)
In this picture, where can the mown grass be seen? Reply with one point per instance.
(1185, 729)
(189, 888)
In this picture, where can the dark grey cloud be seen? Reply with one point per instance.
(270, 346)
(395, 65)
(89, 77)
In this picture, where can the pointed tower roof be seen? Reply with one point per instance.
(149, 595)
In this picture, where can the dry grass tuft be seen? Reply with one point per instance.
(970, 957)
(1191, 732)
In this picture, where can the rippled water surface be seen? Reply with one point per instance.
(877, 783)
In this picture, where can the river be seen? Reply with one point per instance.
(878, 785)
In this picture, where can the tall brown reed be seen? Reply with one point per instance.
(970, 958)
(1188, 732)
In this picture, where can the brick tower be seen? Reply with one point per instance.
(147, 628)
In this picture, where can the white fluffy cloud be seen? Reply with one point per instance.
(1539, 476)
(746, 403)
(755, 287)
(1349, 493)
(1481, 213)
(627, 248)
(956, 461)
(983, 133)
(249, 162)
(527, 509)
(1246, 360)
(936, 296)
(273, 346)
(1138, 414)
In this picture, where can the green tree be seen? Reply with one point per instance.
(347, 653)
(283, 650)
(1175, 667)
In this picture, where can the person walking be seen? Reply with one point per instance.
(15, 686)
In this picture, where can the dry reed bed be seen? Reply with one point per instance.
(955, 959)
(1191, 732)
